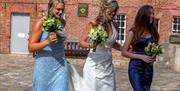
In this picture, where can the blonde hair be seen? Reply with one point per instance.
(112, 5)
(52, 4)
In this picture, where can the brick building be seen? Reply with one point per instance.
(13, 11)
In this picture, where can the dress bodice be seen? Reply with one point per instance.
(141, 44)
(50, 67)
(104, 52)
(55, 49)
(109, 42)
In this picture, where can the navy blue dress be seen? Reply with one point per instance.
(140, 73)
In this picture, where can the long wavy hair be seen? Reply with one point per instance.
(142, 23)
(112, 5)
(51, 5)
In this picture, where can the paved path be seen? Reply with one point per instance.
(16, 74)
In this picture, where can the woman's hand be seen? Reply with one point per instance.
(148, 59)
(92, 45)
(52, 37)
(61, 35)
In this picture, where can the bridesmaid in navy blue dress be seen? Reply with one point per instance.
(140, 35)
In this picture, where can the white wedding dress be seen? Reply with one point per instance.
(98, 72)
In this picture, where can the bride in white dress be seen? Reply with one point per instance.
(98, 72)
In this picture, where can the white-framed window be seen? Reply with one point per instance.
(120, 21)
(176, 24)
(157, 24)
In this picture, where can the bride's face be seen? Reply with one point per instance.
(109, 14)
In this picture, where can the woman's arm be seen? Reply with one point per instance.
(84, 37)
(127, 53)
(34, 43)
(117, 46)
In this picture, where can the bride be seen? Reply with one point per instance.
(98, 72)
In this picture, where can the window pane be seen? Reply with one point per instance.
(174, 27)
(178, 27)
(122, 31)
(120, 21)
(122, 17)
(122, 24)
(118, 17)
(175, 20)
(178, 20)
(122, 37)
(118, 37)
(157, 22)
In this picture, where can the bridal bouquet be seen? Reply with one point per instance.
(51, 24)
(153, 49)
(97, 36)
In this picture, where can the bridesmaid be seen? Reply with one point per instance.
(140, 35)
(50, 68)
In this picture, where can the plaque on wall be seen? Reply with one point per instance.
(82, 9)
(174, 38)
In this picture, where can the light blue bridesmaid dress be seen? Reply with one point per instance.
(50, 70)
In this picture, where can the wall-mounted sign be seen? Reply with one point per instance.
(83, 9)
(174, 38)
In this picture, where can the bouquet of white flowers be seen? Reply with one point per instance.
(97, 36)
(153, 49)
(51, 24)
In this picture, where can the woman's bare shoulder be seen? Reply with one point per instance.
(39, 22)
(92, 23)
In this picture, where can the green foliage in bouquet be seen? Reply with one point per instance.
(97, 35)
(153, 49)
(51, 24)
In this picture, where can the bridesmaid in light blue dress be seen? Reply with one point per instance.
(50, 69)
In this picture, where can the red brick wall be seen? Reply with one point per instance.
(7, 7)
(165, 9)
(2, 28)
(75, 25)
